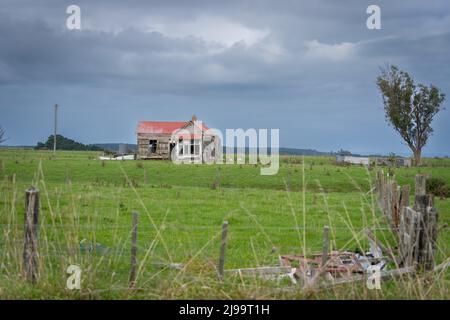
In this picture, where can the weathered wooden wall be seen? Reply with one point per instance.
(416, 226)
(163, 146)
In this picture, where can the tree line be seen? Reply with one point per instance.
(63, 143)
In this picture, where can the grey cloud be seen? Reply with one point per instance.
(311, 73)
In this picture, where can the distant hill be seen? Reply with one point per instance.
(114, 147)
(17, 147)
(69, 144)
(302, 152)
(287, 151)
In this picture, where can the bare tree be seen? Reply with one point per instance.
(409, 108)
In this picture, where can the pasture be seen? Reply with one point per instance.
(88, 203)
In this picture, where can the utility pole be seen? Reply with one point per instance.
(56, 127)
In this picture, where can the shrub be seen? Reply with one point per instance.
(438, 187)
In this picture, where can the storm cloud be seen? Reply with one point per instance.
(308, 68)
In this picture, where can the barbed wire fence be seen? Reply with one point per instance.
(42, 245)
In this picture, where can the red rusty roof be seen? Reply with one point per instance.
(165, 127)
(159, 126)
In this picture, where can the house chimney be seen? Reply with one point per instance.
(194, 118)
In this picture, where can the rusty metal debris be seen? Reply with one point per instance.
(340, 266)
(338, 263)
(326, 268)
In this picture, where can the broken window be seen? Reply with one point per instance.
(152, 146)
(195, 147)
(189, 147)
(181, 147)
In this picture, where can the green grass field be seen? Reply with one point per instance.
(181, 209)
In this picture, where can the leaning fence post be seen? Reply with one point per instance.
(223, 246)
(404, 198)
(382, 191)
(30, 253)
(388, 202)
(379, 184)
(326, 245)
(394, 205)
(427, 224)
(133, 250)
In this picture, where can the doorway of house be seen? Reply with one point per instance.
(171, 147)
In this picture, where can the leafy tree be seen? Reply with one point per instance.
(409, 108)
(64, 143)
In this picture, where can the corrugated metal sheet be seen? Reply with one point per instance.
(159, 126)
(353, 160)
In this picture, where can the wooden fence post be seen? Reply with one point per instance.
(390, 199)
(394, 204)
(418, 226)
(388, 202)
(409, 236)
(326, 245)
(428, 224)
(379, 184)
(386, 196)
(430, 235)
(30, 248)
(404, 198)
(382, 191)
(134, 250)
(420, 192)
(223, 246)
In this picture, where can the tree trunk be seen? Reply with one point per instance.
(417, 157)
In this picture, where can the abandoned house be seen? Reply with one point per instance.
(185, 140)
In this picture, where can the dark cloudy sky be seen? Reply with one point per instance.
(305, 67)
